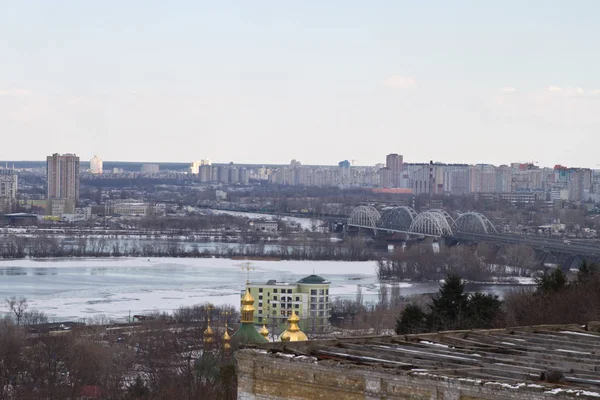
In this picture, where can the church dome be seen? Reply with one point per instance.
(293, 333)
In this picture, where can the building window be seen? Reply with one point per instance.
(313, 299)
(296, 305)
(260, 311)
(321, 313)
(289, 291)
(321, 306)
(259, 319)
(283, 312)
(274, 312)
(313, 306)
(321, 292)
(327, 291)
(260, 297)
(321, 299)
(260, 304)
(313, 292)
(297, 298)
(289, 313)
(260, 290)
(274, 298)
(274, 290)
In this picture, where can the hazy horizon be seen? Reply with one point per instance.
(255, 83)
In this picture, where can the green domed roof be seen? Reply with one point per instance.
(247, 334)
(314, 280)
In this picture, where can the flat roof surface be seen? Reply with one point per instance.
(565, 356)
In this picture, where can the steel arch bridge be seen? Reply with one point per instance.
(364, 217)
(431, 223)
(445, 214)
(434, 222)
(397, 218)
(474, 222)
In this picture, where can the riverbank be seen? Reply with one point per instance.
(322, 248)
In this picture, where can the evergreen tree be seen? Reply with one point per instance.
(449, 306)
(412, 320)
(586, 271)
(551, 283)
(482, 310)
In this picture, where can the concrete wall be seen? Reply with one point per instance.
(263, 376)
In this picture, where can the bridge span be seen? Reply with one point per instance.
(470, 227)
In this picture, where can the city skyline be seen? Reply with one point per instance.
(187, 164)
(464, 82)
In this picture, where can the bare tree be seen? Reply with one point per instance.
(17, 307)
(34, 317)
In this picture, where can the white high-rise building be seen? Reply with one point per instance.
(96, 165)
(195, 166)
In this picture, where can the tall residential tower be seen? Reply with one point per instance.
(394, 162)
(63, 176)
(8, 190)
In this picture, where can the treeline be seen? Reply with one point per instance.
(481, 263)
(554, 300)
(451, 309)
(368, 317)
(15, 247)
(151, 360)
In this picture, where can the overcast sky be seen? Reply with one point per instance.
(317, 81)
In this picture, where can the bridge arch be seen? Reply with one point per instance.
(364, 217)
(397, 218)
(474, 222)
(431, 224)
(444, 214)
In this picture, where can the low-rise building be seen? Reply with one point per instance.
(58, 207)
(308, 298)
(134, 208)
(263, 225)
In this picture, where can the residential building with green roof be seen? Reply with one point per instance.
(308, 298)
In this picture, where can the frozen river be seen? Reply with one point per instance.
(74, 289)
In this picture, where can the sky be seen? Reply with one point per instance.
(317, 81)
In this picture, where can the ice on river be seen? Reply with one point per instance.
(72, 289)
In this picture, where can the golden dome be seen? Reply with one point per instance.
(264, 331)
(226, 339)
(248, 308)
(293, 333)
(248, 300)
(208, 333)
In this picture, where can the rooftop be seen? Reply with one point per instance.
(546, 359)
(313, 279)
